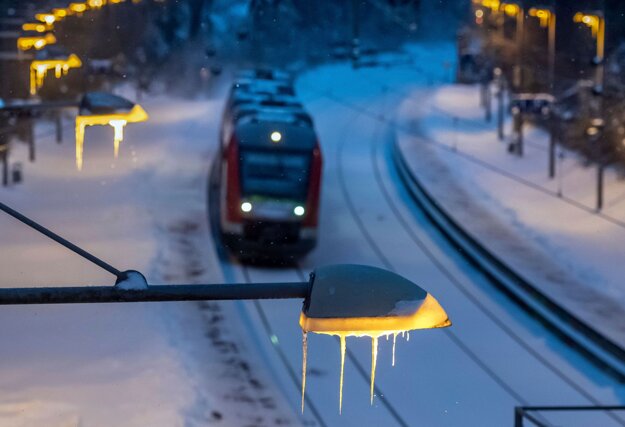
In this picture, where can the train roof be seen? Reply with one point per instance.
(297, 116)
(262, 86)
(258, 134)
(264, 73)
(246, 98)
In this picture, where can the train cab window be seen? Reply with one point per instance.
(275, 174)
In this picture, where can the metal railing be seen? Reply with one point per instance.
(522, 413)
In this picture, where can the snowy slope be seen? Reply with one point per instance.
(137, 364)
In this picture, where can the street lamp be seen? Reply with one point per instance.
(47, 18)
(355, 300)
(99, 108)
(344, 300)
(514, 10)
(547, 19)
(76, 8)
(96, 4)
(38, 27)
(57, 60)
(36, 42)
(596, 22)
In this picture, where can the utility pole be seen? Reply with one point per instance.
(4, 153)
(355, 32)
(59, 127)
(499, 80)
(552, 145)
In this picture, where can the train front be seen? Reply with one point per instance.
(270, 189)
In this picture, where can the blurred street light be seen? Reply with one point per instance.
(47, 18)
(547, 19)
(596, 22)
(96, 4)
(36, 42)
(61, 64)
(38, 27)
(102, 109)
(513, 10)
(77, 8)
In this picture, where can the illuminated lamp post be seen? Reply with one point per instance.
(46, 18)
(513, 10)
(104, 109)
(35, 41)
(343, 300)
(50, 59)
(596, 22)
(38, 27)
(77, 8)
(547, 19)
(96, 4)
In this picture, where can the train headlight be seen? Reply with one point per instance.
(299, 210)
(246, 206)
(276, 136)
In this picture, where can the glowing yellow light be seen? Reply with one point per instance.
(429, 314)
(59, 13)
(115, 120)
(276, 136)
(37, 42)
(77, 7)
(493, 5)
(96, 4)
(511, 9)
(39, 69)
(591, 21)
(543, 15)
(479, 13)
(48, 18)
(36, 26)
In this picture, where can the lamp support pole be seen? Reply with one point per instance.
(109, 294)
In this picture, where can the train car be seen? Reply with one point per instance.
(270, 187)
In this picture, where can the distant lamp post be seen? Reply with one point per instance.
(493, 5)
(547, 19)
(96, 4)
(47, 18)
(98, 108)
(36, 42)
(596, 22)
(77, 8)
(38, 27)
(59, 13)
(513, 10)
(56, 60)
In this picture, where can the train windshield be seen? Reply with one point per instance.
(275, 174)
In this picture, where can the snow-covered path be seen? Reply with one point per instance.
(172, 364)
(492, 359)
(137, 364)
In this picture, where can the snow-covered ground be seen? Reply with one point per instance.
(493, 357)
(239, 364)
(137, 364)
(559, 243)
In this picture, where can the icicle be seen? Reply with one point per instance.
(304, 357)
(374, 357)
(394, 341)
(342, 372)
(408, 336)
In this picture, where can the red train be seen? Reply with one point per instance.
(270, 181)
